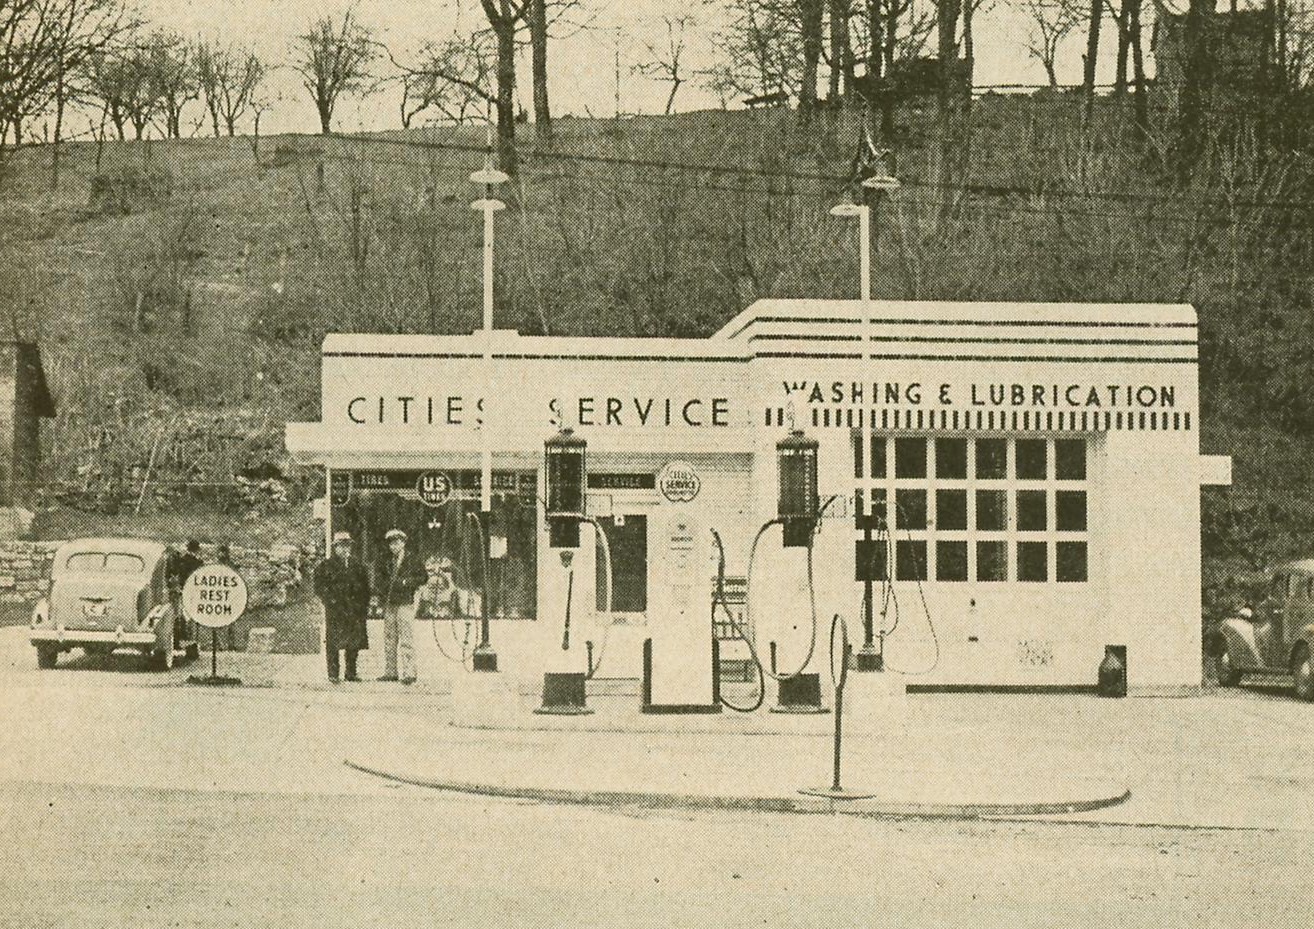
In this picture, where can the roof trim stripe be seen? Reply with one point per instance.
(1062, 359)
(905, 321)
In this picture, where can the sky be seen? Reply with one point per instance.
(583, 66)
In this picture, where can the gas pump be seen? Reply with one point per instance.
(798, 512)
(566, 475)
(679, 660)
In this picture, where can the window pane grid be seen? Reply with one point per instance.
(985, 509)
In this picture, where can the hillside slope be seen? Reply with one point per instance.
(180, 289)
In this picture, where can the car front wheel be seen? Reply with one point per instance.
(1228, 675)
(1302, 673)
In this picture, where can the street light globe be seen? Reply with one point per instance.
(489, 204)
(881, 182)
(489, 175)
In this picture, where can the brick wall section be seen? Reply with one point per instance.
(272, 575)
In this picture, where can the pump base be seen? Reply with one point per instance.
(867, 659)
(799, 694)
(483, 658)
(842, 793)
(563, 694)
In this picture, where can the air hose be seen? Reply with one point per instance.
(890, 596)
(745, 631)
(605, 545)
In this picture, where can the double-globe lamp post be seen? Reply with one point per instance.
(869, 657)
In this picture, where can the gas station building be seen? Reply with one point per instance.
(1025, 490)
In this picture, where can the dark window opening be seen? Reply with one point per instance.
(991, 459)
(951, 561)
(991, 561)
(991, 510)
(1032, 561)
(951, 509)
(1070, 460)
(872, 562)
(1070, 561)
(1031, 511)
(910, 560)
(951, 459)
(910, 509)
(910, 458)
(1070, 511)
(1031, 459)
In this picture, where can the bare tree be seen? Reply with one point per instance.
(1090, 60)
(536, 16)
(333, 59)
(761, 46)
(173, 63)
(665, 63)
(43, 45)
(230, 78)
(505, 17)
(811, 18)
(841, 49)
(453, 77)
(124, 82)
(1052, 21)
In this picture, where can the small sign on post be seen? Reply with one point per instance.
(214, 596)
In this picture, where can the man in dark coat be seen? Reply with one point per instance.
(343, 584)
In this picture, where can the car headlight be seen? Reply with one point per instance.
(41, 613)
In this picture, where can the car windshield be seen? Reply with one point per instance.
(105, 562)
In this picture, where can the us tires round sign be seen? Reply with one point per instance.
(434, 488)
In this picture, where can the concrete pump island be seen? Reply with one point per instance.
(991, 496)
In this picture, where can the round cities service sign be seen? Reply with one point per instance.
(214, 596)
(679, 482)
(434, 488)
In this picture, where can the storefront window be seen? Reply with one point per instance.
(494, 552)
(989, 509)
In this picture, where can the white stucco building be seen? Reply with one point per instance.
(1032, 477)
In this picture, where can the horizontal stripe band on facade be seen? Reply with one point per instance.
(966, 340)
(1060, 359)
(894, 321)
(503, 356)
(993, 420)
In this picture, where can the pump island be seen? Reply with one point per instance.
(995, 494)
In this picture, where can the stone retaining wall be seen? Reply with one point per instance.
(271, 574)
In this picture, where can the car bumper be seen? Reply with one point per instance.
(118, 636)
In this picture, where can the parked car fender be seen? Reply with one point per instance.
(1306, 640)
(1239, 639)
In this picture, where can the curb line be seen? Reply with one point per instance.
(873, 809)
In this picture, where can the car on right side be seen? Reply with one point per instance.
(1274, 637)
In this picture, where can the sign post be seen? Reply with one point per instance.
(214, 596)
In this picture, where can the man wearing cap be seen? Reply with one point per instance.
(343, 585)
(396, 578)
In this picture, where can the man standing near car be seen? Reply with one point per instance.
(343, 585)
(396, 578)
(180, 570)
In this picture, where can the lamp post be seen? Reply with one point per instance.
(869, 656)
(484, 658)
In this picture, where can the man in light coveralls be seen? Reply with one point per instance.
(396, 578)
